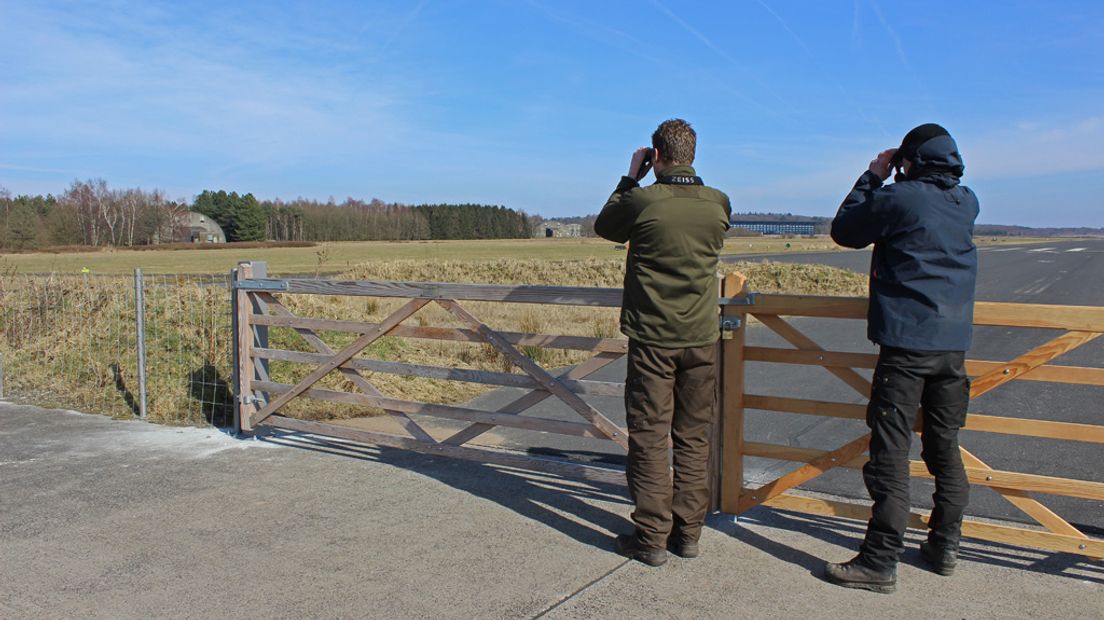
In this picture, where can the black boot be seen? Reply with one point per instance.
(941, 558)
(629, 547)
(683, 547)
(857, 574)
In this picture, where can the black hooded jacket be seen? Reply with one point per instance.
(924, 265)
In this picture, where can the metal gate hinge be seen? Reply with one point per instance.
(261, 285)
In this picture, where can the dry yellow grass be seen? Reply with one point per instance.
(69, 341)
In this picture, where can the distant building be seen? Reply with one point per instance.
(195, 227)
(558, 229)
(777, 228)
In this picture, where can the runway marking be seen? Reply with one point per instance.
(1004, 249)
(1077, 249)
(1036, 287)
(1042, 250)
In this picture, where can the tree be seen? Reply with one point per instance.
(248, 218)
(22, 230)
(218, 207)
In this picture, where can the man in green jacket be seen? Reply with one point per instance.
(675, 229)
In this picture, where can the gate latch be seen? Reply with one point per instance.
(728, 325)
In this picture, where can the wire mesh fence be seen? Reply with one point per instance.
(70, 341)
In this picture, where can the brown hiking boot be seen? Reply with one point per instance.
(683, 547)
(941, 559)
(856, 574)
(629, 547)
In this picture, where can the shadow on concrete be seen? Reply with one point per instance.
(120, 386)
(216, 401)
(849, 535)
(558, 502)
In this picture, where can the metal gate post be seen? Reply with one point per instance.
(140, 326)
(733, 289)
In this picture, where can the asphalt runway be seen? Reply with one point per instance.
(1061, 272)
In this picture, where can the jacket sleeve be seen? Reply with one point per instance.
(618, 215)
(860, 220)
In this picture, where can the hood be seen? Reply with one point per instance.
(938, 159)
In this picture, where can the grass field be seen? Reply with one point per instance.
(68, 340)
(342, 256)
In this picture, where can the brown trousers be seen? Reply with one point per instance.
(669, 393)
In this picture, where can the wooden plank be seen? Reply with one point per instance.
(548, 341)
(993, 532)
(592, 415)
(810, 357)
(1051, 373)
(732, 401)
(553, 295)
(1050, 485)
(523, 403)
(1076, 375)
(341, 357)
(1073, 318)
(363, 384)
(558, 467)
(1068, 431)
(464, 414)
(801, 341)
(824, 408)
(1046, 429)
(809, 305)
(812, 469)
(245, 371)
(504, 379)
(1024, 363)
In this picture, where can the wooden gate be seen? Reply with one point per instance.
(1076, 326)
(259, 305)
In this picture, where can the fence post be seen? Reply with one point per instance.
(140, 326)
(235, 381)
(243, 345)
(732, 396)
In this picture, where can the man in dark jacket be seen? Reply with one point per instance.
(675, 229)
(922, 276)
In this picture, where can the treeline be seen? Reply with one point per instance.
(999, 230)
(356, 220)
(89, 213)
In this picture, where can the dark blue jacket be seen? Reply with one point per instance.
(924, 266)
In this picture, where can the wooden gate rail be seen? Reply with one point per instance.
(259, 306)
(1079, 325)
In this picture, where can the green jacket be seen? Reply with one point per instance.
(675, 229)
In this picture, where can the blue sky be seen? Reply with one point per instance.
(537, 104)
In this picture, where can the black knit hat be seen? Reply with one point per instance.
(914, 139)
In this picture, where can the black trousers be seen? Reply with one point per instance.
(670, 396)
(904, 381)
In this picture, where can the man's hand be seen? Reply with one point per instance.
(880, 164)
(638, 159)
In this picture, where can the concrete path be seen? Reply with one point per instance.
(107, 519)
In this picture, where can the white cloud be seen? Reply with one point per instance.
(150, 88)
(1034, 147)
